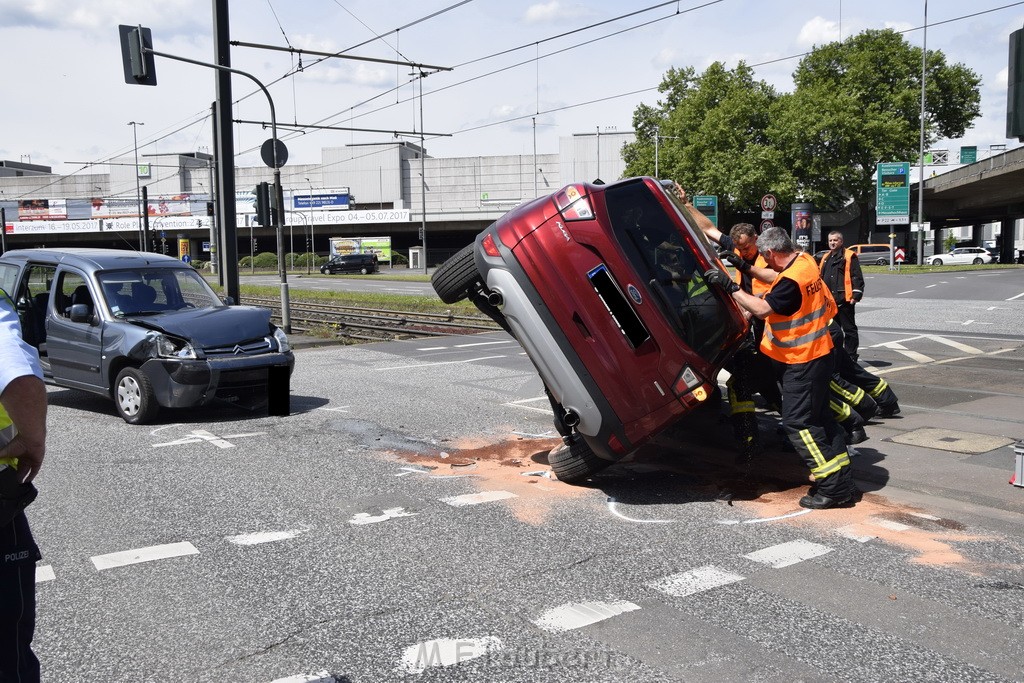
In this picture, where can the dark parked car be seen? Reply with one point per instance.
(351, 263)
(603, 286)
(143, 329)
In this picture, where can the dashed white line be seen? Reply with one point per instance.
(931, 518)
(433, 348)
(446, 652)
(361, 518)
(1014, 298)
(694, 581)
(909, 291)
(477, 498)
(490, 343)
(428, 365)
(785, 554)
(154, 552)
(45, 573)
(258, 537)
(579, 614)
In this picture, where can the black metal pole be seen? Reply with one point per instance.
(224, 151)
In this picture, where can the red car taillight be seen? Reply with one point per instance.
(490, 248)
(573, 204)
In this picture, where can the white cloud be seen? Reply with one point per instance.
(818, 31)
(1002, 78)
(664, 58)
(899, 25)
(552, 10)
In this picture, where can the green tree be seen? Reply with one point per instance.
(857, 103)
(713, 138)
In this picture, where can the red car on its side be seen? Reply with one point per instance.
(603, 287)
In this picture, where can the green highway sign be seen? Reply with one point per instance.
(892, 200)
(707, 204)
(968, 155)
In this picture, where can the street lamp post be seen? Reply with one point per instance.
(138, 190)
(312, 235)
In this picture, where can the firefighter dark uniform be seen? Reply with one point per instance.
(747, 367)
(843, 276)
(876, 388)
(800, 344)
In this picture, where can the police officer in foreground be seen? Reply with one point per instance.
(796, 311)
(840, 269)
(22, 447)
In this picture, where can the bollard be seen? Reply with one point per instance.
(1018, 472)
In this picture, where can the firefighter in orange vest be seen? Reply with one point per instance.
(840, 269)
(796, 311)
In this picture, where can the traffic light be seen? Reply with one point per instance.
(264, 212)
(209, 208)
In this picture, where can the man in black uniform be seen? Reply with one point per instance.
(840, 270)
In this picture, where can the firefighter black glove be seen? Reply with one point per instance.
(736, 261)
(720, 278)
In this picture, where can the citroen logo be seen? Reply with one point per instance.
(237, 350)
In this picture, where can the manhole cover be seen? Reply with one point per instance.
(949, 440)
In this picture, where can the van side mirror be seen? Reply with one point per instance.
(228, 300)
(80, 313)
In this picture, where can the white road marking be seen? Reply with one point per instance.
(361, 518)
(258, 537)
(1013, 298)
(428, 365)
(433, 348)
(998, 308)
(546, 435)
(929, 286)
(694, 581)
(477, 498)
(446, 652)
(611, 508)
(45, 573)
(761, 520)
(200, 435)
(888, 524)
(490, 343)
(576, 615)
(319, 677)
(922, 515)
(339, 409)
(521, 403)
(850, 531)
(785, 554)
(886, 371)
(912, 355)
(953, 344)
(153, 552)
(909, 291)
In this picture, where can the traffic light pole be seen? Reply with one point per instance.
(286, 316)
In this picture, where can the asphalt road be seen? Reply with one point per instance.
(398, 525)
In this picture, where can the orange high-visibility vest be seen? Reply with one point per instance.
(757, 287)
(803, 336)
(847, 256)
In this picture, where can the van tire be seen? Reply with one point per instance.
(133, 397)
(576, 463)
(453, 279)
(363, 271)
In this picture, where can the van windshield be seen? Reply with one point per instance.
(156, 290)
(667, 259)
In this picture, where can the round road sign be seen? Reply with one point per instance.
(267, 153)
(766, 224)
(768, 202)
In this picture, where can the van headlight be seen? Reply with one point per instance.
(282, 340)
(172, 347)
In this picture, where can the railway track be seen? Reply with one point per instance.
(370, 324)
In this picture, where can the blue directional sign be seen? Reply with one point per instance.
(707, 204)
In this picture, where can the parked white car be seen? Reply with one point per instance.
(975, 255)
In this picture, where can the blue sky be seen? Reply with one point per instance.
(66, 102)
